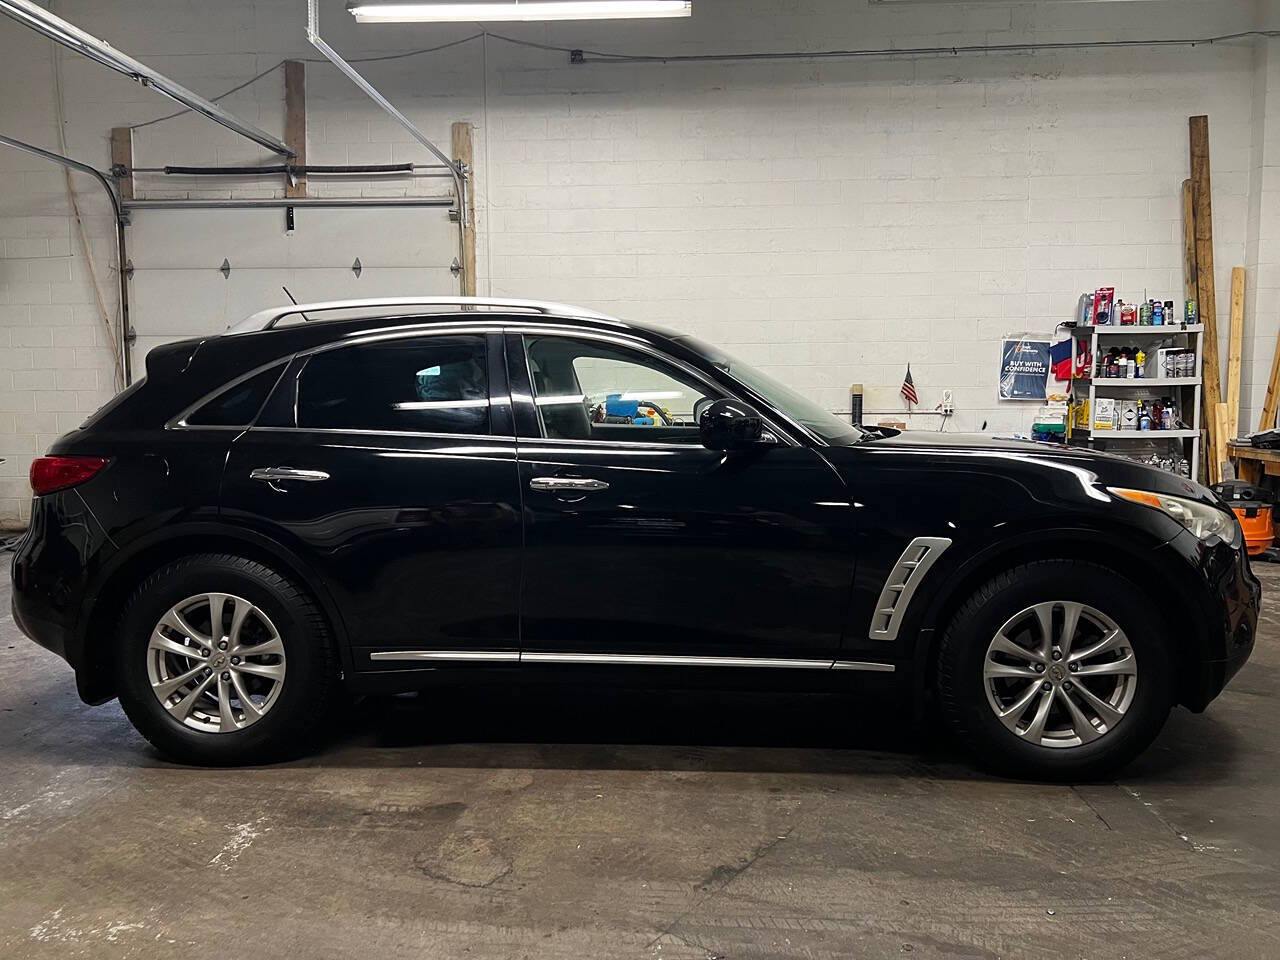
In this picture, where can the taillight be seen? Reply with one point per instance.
(49, 474)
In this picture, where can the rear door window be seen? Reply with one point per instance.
(433, 384)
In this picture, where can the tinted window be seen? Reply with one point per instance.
(431, 384)
(589, 390)
(799, 408)
(238, 405)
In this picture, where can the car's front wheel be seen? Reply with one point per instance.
(1056, 669)
(221, 659)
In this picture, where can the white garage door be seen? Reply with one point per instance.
(178, 289)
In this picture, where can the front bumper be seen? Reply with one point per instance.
(1224, 610)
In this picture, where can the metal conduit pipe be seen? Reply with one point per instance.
(581, 56)
(409, 169)
(250, 203)
(121, 220)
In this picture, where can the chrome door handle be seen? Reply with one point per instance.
(573, 484)
(271, 474)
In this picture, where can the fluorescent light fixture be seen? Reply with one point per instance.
(377, 12)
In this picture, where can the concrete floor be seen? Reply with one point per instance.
(580, 825)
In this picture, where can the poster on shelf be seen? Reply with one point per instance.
(1024, 368)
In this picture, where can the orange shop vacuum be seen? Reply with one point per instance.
(1252, 505)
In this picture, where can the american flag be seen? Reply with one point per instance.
(909, 388)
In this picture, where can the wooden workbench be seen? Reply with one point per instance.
(1252, 464)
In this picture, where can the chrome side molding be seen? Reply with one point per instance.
(664, 660)
(624, 659)
(900, 586)
(485, 656)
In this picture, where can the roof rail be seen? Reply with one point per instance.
(266, 319)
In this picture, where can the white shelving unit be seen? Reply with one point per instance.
(1186, 389)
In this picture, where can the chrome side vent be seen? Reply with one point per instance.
(920, 555)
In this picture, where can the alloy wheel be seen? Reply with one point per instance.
(1060, 674)
(216, 663)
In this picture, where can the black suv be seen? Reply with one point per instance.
(378, 493)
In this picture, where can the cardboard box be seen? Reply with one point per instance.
(1104, 414)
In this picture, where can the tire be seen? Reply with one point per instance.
(278, 613)
(1008, 603)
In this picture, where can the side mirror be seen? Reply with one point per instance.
(731, 425)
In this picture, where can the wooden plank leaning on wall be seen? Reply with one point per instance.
(1202, 204)
(1235, 345)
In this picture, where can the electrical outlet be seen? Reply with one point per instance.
(948, 405)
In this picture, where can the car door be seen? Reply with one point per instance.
(642, 545)
(388, 465)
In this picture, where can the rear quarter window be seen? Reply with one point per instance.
(239, 403)
(113, 404)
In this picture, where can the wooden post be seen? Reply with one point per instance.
(1202, 203)
(295, 123)
(1189, 291)
(122, 153)
(1267, 420)
(462, 153)
(1235, 343)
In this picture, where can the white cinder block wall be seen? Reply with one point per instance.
(830, 220)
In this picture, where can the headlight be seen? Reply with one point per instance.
(1201, 519)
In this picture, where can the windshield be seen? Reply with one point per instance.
(800, 409)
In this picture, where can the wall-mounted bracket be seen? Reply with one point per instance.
(225, 269)
(357, 268)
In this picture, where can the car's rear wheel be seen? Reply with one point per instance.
(221, 659)
(1056, 669)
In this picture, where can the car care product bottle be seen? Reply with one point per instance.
(1157, 313)
(1169, 316)
(1140, 362)
(1192, 314)
(1144, 314)
(1144, 417)
(1167, 420)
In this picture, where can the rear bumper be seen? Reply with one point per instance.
(52, 570)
